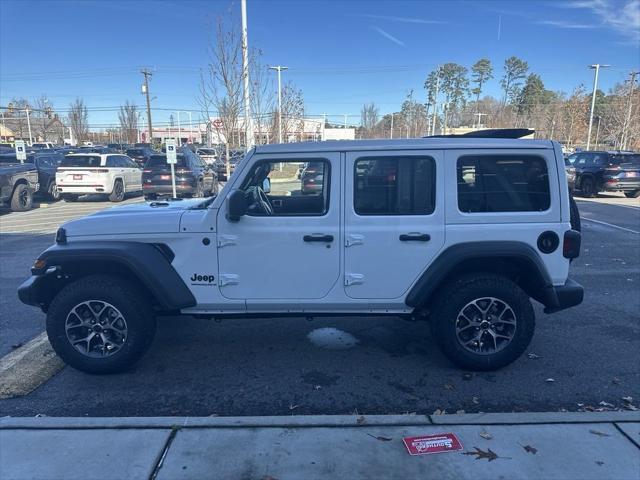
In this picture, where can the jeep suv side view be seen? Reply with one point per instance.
(464, 233)
(88, 173)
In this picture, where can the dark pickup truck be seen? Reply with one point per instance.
(18, 183)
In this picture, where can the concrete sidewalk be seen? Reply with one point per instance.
(525, 445)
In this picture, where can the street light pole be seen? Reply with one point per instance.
(279, 69)
(627, 122)
(597, 68)
(179, 131)
(248, 123)
(145, 90)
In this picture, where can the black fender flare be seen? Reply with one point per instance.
(454, 258)
(149, 263)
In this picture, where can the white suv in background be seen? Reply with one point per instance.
(88, 173)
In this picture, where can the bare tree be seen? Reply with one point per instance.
(369, 119)
(128, 117)
(292, 113)
(221, 82)
(78, 120)
(262, 96)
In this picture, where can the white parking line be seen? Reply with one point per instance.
(610, 225)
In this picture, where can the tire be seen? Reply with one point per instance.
(69, 197)
(574, 214)
(456, 297)
(122, 297)
(117, 195)
(53, 192)
(150, 196)
(633, 194)
(588, 188)
(22, 198)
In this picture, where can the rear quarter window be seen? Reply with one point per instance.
(81, 161)
(502, 183)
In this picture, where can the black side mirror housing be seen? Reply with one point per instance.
(236, 205)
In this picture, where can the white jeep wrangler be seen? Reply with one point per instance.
(460, 231)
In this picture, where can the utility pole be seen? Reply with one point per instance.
(597, 68)
(627, 122)
(29, 125)
(179, 144)
(279, 69)
(145, 90)
(248, 123)
(391, 132)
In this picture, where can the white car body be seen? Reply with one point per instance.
(101, 176)
(359, 273)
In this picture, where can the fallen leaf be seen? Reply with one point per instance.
(485, 435)
(475, 400)
(631, 407)
(382, 439)
(479, 453)
(627, 399)
(293, 407)
(360, 420)
(549, 380)
(530, 449)
(317, 387)
(606, 404)
(533, 356)
(599, 433)
(467, 376)
(615, 381)
(16, 345)
(448, 386)
(439, 412)
(600, 463)
(459, 412)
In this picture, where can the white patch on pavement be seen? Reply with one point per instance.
(332, 339)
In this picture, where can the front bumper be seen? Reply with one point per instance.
(561, 297)
(33, 291)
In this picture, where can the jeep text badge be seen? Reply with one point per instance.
(206, 280)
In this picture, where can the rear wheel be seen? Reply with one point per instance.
(22, 198)
(482, 321)
(634, 194)
(100, 324)
(117, 195)
(588, 187)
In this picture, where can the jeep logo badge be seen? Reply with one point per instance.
(198, 279)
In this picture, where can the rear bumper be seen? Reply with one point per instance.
(83, 189)
(622, 186)
(565, 296)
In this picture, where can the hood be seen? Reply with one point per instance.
(138, 218)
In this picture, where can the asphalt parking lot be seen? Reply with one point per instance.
(374, 365)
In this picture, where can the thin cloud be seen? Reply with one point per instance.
(388, 36)
(624, 18)
(563, 24)
(422, 21)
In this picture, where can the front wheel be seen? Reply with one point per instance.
(588, 188)
(482, 322)
(100, 324)
(634, 194)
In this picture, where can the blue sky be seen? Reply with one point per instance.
(340, 53)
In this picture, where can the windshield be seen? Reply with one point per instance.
(81, 161)
(156, 161)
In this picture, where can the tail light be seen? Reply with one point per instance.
(146, 170)
(571, 244)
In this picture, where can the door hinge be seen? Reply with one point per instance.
(228, 279)
(353, 279)
(354, 239)
(224, 240)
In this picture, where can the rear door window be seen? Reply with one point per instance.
(502, 183)
(81, 161)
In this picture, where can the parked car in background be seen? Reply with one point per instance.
(194, 178)
(112, 174)
(118, 147)
(46, 162)
(18, 183)
(312, 178)
(43, 145)
(624, 177)
(140, 154)
(590, 171)
(209, 155)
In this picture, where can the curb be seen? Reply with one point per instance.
(302, 421)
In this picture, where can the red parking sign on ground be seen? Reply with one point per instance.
(439, 443)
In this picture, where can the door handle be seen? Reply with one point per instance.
(415, 237)
(318, 238)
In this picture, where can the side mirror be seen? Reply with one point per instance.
(236, 205)
(266, 185)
